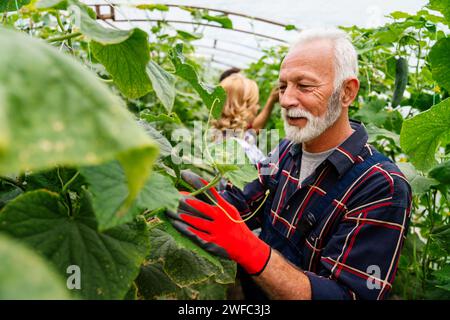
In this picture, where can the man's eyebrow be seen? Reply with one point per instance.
(302, 76)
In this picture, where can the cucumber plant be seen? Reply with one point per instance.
(88, 161)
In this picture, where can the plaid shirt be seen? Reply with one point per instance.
(344, 226)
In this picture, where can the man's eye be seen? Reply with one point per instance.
(304, 87)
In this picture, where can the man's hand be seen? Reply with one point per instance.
(218, 227)
(261, 119)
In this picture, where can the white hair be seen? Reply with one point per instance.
(345, 56)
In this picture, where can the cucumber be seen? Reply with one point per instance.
(401, 79)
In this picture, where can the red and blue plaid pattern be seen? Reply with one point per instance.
(344, 226)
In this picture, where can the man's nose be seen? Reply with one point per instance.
(288, 98)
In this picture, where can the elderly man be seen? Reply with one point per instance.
(336, 210)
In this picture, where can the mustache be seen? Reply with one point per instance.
(296, 112)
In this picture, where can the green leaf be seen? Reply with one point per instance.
(184, 267)
(373, 112)
(243, 175)
(290, 27)
(165, 147)
(108, 261)
(163, 118)
(421, 101)
(124, 53)
(441, 173)
(158, 192)
(222, 19)
(127, 62)
(25, 275)
(153, 281)
(8, 195)
(132, 293)
(46, 4)
(188, 35)
(185, 243)
(12, 5)
(443, 274)
(63, 115)
(108, 189)
(441, 237)
(65, 5)
(399, 15)
(441, 5)
(153, 6)
(95, 31)
(53, 180)
(213, 97)
(440, 62)
(375, 133)
(163, 84)
(228, 274)
(210, 290)
(418, 182)
(424, 133)
(230, 159)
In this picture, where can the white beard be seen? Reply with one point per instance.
(315, 126)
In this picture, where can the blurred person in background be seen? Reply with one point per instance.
(260, 120)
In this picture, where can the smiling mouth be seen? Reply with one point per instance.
(296, 118)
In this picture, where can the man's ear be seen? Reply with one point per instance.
(349, 91)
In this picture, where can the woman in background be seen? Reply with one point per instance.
(258, 121)
(238, 113)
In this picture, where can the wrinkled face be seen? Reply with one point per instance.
(309, 103)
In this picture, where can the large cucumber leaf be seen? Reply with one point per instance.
(184, 262)
(108, 261)
(53, 111)
(124, 53)
(440, 62)
(108, 188)
(423, 134)
(163, 84)
(26, 275)
(126, 61)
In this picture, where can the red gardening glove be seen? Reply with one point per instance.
(222, 230)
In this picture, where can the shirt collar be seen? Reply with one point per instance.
(346, 154)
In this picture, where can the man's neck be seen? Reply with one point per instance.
(332, 137)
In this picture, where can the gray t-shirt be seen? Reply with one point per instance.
(310, 161)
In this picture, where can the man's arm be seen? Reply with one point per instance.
(281, 280)
(262, 117)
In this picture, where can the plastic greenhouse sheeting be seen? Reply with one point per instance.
(257, 24)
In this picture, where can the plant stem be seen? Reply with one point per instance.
(68, 183)
(65, 37)
(211, 184)
(181, 182)
(425, 258)
(60, 24)
(106, 80)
